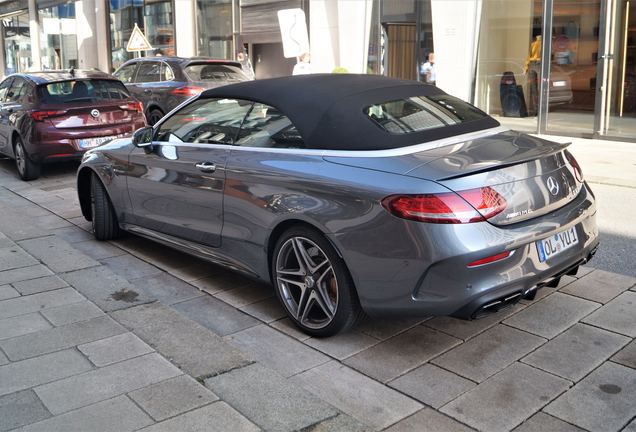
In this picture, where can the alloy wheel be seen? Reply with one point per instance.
(307, 282)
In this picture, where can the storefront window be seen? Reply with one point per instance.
(214, 21)
(17, 43)
(158, 22)
(374, 57)
(123, 16)
(58, 36)
(509, 61)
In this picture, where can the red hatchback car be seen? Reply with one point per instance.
(58, 115)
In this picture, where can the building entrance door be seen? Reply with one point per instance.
(589, 83)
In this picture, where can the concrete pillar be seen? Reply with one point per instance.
(102, 35)
(34, 28)
(85, 18)
(185, 23)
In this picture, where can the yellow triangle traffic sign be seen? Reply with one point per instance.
(137, 41)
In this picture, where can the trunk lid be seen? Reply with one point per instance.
(91, 115)
(533, 175)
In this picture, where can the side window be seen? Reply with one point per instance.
(15, 92)
(126, 73)
(166, 72)
(265, 126)
(205, 121)
(149, 72)
(4, 87)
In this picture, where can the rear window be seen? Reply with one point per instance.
(215, 73)
(420, 113)
(82, 91)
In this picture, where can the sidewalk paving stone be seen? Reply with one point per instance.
(72, 234)
(489, 353)
(627, 356)
(119, 414)
(268, 399)
(7, 292)
(72, 313)
(428, 420)
(343, 345)
(603, 401)
(34, 286)
(215, 315)
(114, 349)
(57, 254)
(217, 417)
(21, 408)
(166, 288)
(384, 328)
(466, 329)
(22, 324)
(246, 294)
(220, 280)
(3, 359)
(130, 267)
(13, 257)
(542, 422)
(416, 346)
(268, 310)
(286, 326)
(340, 423)
(506, 399)
(432, 385)
(600, 286)
(36, 302)
(104, 383)
(630, 427)
(32, 372)
(617, 316)
(198, 269)
(280, 352)
(58, 338)
(24, 273)
(357, 395)
(576, 352)
(106, 289)
(172, 397)
(98, 250)
(552, 315)
(201, 353)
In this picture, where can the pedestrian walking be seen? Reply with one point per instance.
(427, 70)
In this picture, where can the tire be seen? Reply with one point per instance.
(105, 225)
(318, 293)
(154, 115)
(27, 169)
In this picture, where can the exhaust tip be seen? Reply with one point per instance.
(498, 304)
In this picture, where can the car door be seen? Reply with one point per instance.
(176, 186)
(4, 117)
(10, 110)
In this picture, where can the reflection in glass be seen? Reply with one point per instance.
(123, 16)
(214, 21)
(17, 43)
(58, 36)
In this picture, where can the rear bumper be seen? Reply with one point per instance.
(429, 276)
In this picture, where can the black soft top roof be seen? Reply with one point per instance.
(328, 109)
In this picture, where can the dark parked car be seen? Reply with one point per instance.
(350, 193)
(58, 115)
(162, 83)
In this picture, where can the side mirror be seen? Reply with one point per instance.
(142, 137)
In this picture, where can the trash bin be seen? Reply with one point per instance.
(513, 104)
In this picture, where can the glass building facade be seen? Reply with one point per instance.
(58, 36)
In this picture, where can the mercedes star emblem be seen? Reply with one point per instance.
(95, 113)
(553, 186)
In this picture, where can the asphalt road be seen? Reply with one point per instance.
(617, 226)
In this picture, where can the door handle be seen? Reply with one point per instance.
(147, 91)
(207, 167)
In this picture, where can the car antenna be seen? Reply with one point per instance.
(72, 71)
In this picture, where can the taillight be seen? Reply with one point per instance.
(578, 172)
(473, 205)
(133, 106)
(490, 259)
(187, 91)
(41, 115)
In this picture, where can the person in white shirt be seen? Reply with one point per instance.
(303, 67)
(427, 70)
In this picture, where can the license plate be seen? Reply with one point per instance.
(556, 244)
(94, 142)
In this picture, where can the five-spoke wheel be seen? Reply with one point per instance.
(313, 283)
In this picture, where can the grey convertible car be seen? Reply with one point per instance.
(352, 194)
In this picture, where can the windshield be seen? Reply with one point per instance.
(85, 90)
(419, 113)
(215, 73)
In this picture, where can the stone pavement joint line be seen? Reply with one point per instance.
(172, 343)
